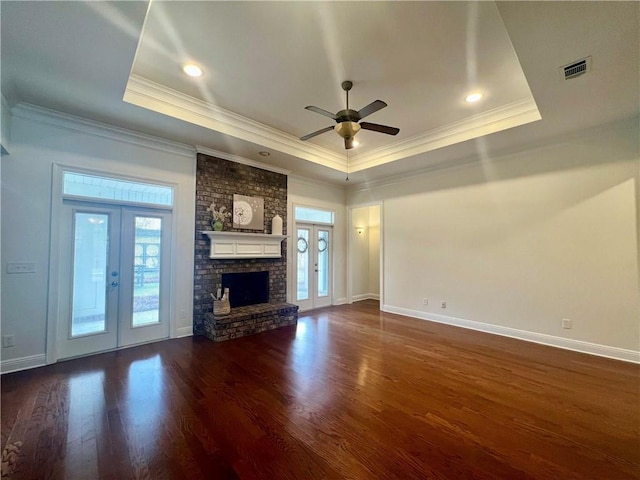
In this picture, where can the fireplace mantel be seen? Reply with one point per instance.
(225, 245)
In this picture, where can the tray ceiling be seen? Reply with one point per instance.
(264, 62)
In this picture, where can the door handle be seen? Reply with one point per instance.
(114, 284)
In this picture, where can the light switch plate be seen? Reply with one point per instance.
(21, 267)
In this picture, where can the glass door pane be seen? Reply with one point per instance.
(313, 266)
(90, 261)
(88, 290)
(302, 290)
(322, 267)
(115, 277)
(146, 272)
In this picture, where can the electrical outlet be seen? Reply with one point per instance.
(8, 340)
(21, 267)
(566, 323)
(443, 305)
(425, 301)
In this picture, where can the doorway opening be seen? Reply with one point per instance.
(365, 253)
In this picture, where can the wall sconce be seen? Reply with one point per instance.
(360, 230)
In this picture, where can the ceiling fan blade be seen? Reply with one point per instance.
(380, 128)
(321, 112)
(348, 143)
(311, 135)
(373, 107)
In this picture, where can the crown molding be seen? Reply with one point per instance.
(403, 177)
(156, 97)
(238, 159)
(312, 182)
(71, 122)
(539, 145)
(147, 94)
(506, 116)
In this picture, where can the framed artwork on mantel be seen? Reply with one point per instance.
(248, 212)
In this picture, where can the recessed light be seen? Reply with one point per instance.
(474, 97)
(356, 143)
(264, 154)
(192, 70)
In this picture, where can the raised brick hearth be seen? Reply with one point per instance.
(243, 321)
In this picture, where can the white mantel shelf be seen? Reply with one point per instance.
(225, 245)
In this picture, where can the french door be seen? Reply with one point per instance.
(313, 266)
(114, 285)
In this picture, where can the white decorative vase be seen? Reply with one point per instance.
(276, 225)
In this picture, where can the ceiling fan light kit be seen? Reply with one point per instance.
(347, 120)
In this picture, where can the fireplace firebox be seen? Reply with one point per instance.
(246, 288)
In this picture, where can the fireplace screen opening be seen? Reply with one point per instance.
(247, 288)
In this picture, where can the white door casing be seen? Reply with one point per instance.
(313, 265)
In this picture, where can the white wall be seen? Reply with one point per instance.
(365, 252)
(374, 250)
(41, 139)
(521, 242)
(308, 192)
(359, 251)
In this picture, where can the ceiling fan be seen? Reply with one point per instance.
(348, 120)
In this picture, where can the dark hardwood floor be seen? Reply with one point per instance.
(351, 393)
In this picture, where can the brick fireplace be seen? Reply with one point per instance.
(217, 180)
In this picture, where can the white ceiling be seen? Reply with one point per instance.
(265, 61)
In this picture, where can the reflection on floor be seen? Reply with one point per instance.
(350, 393)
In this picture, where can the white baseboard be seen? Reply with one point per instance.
(184, 332)
(625, 355)
(340, 301)
(366, 296)
(23, 363)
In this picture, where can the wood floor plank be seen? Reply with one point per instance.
(350, 393)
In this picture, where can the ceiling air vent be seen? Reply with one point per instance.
(575, 69)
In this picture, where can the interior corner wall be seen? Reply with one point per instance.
(522, 241)
(39, 142)
(311, 193)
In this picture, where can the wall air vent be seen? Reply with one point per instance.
(575, 69)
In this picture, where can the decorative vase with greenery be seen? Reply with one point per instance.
(218, 216)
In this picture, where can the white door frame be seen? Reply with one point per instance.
(127, 333)
(53, 295)
(119, 285)
(351, 227)
(313, 301)
(69, 346)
